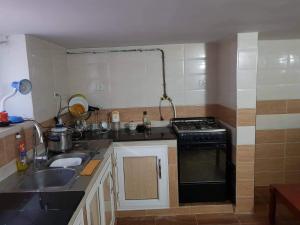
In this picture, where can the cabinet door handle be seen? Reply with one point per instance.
(159, 168)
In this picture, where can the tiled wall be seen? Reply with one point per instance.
(236, 80)
(278, 113)
(48, 74)
(130, 80)
(245, 131)
(8, 151)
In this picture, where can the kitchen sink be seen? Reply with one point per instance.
(66, 156)
(48, 178)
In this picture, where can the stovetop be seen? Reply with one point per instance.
(196, 124)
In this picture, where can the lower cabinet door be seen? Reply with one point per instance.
(143, 181)
(93, 206)
(107, 196)
(79, 219)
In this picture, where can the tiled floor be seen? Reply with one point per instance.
(258, 218)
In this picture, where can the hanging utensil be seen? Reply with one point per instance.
(165, 97)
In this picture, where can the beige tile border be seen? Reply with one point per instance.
(270, 136)
(293, 106)
(246, 117)
(226, 115)
(278, 106)
(271, 107)
(277, 156)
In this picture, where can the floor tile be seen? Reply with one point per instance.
(176, 220)
(136, 221)
(260, 216)
(216, 219)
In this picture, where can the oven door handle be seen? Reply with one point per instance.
(159, 168)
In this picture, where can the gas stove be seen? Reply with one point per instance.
(203, 157)
(196, 125)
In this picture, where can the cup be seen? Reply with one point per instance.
(132, 125)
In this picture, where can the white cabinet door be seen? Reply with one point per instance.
(100, 206)
(79, 219)
(107, 195)
(142, 174)
(93, 205)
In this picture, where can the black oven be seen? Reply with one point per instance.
(203, 159)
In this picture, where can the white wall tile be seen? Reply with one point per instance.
(247, 40)
(278, 121)
(195, 66)
(135, 79)
(194, 51)
(280, 92)
(246, 98)
(195, 82)
(278, 70)
(266, 122)
(247, 59)
(246, 79)
(246, 135)
(196, 97)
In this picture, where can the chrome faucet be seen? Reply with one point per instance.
(37, 157)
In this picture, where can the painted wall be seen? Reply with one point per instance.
(278, 112)
(48, 73)
(14, 67)
(124, 80)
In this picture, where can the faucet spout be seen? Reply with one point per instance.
(39, 132)
(40, 138)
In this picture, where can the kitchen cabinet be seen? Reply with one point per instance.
(142, 177)
(107, 196)
(79, 219)
(100, 200)
(93, 205)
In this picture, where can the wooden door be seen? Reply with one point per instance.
(142, 177)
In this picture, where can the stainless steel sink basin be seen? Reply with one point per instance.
(84, 157)
(49, 178)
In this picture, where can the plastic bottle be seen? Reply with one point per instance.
(22, 161)
(146, 120)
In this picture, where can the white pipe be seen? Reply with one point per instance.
(5, 98)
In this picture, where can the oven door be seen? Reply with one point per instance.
(202, 172)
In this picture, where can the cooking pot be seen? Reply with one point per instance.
(59, 139)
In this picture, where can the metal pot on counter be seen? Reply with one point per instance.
(59, 139)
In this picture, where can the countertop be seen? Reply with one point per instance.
(124, 135)
(47, 207)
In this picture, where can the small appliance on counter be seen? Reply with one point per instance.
(203, 160)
